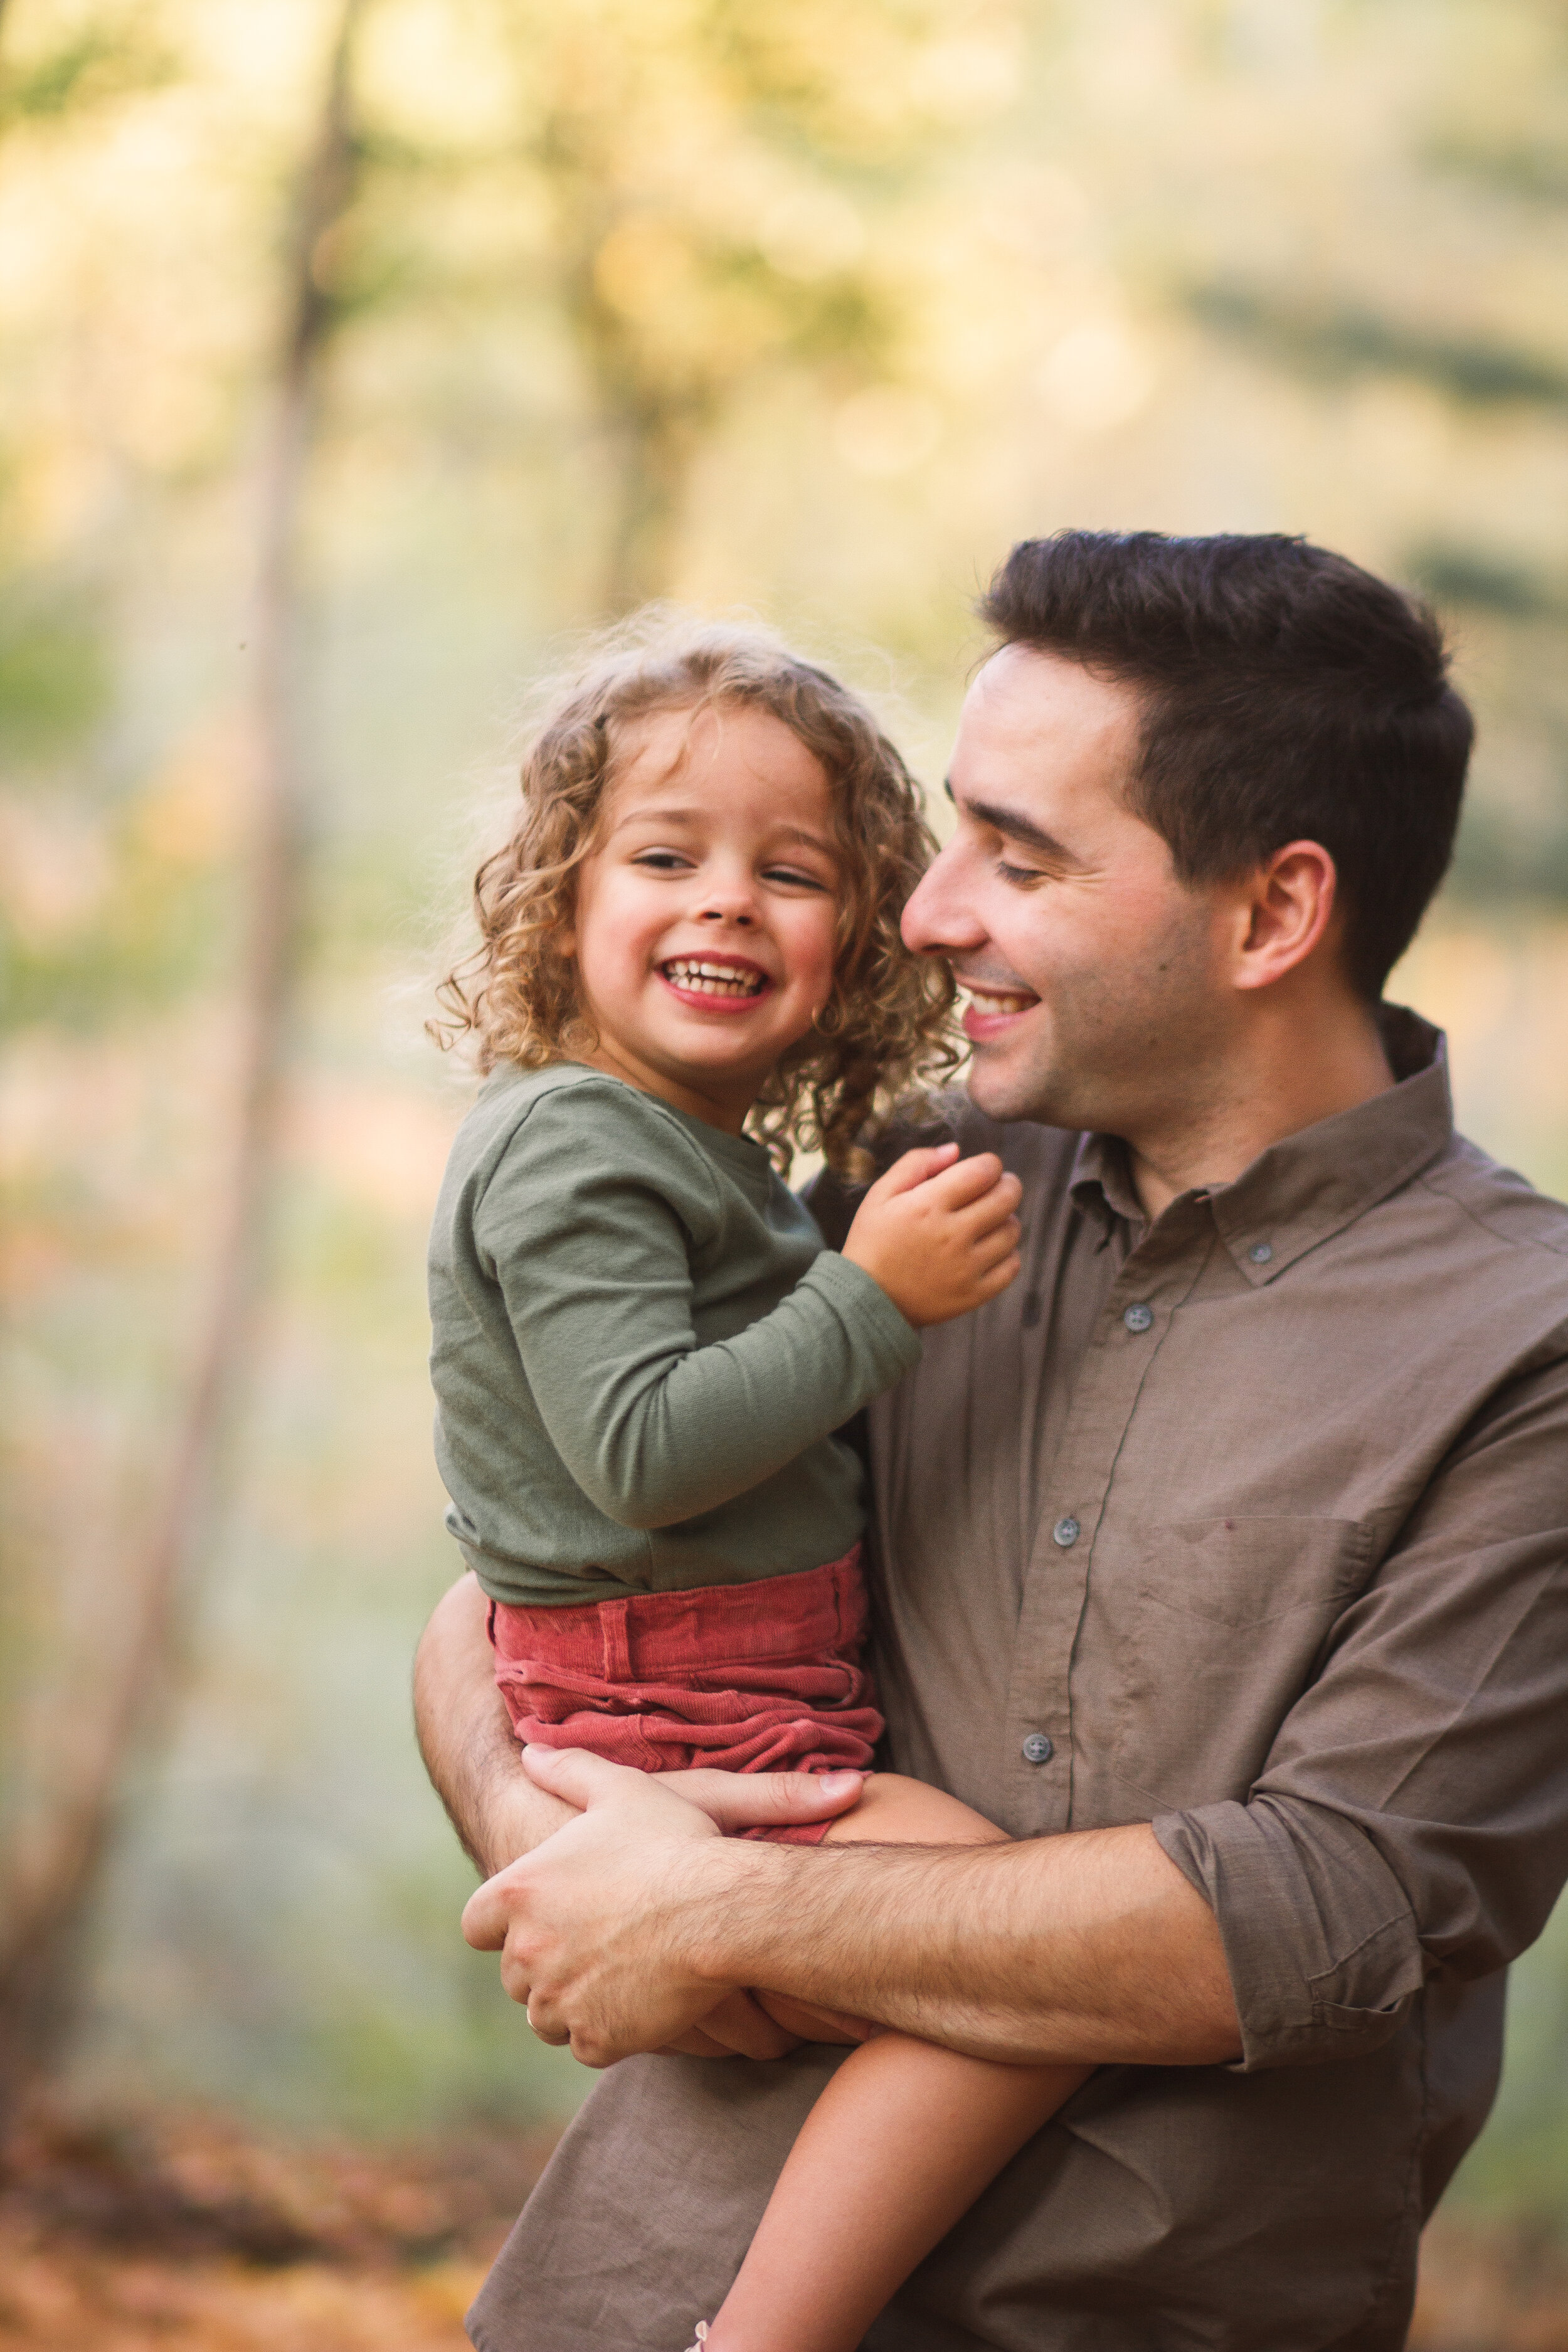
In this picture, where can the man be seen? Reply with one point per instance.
(1221, 1560)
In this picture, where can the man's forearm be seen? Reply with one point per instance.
(467, 1740)
(1089, 1949)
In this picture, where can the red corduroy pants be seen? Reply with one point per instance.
(766, 1676)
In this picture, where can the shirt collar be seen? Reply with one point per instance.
(1311, 1184)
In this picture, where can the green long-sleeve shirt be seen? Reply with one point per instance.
(640, 1350)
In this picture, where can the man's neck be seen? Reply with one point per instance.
(1286, 1075)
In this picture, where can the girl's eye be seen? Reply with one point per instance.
(794, 877)
(662, 861)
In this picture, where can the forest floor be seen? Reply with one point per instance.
(177, 2234)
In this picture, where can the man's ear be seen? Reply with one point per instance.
(1286, 908)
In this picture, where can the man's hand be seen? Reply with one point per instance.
(731, 1800)
(625, 1930)
(500, 1812)
(737, 2026)
(588, 1925)
(939, 1234)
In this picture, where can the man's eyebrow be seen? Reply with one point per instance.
(1014, 826)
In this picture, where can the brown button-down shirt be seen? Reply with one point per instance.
(1252, 1522)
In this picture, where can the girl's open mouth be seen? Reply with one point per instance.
(715, 980)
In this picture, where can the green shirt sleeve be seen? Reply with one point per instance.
(588, 1223)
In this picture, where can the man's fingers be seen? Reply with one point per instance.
(695, 2044)
(544, 2021)
(514, 1979)
(744, 2030)
(740, 1801)
(487, 1915)
(564, 1917)
(577, 1774)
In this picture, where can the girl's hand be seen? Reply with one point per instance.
(939, 1234)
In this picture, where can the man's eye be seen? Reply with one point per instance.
(1021, 875)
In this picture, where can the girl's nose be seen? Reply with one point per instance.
(727, 902)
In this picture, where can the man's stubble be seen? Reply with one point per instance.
(1134, 1045)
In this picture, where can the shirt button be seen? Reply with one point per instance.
(1138, 1319)
(1260, 1253)
(1066, 1532)
(1039, 1748)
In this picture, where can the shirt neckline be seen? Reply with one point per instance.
(740, 1154)
(1308, 1185)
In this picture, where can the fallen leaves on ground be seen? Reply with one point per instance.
(1498, 2287)
(179, 2233)
(191, 2234)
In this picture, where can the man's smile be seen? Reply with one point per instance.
(992, 1006)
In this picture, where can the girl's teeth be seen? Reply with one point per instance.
(713, 980)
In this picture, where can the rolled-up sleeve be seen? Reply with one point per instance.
(1412, 1815)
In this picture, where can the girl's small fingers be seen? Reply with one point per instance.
(968, 1179)
(992, 1205)
(993, 1284)
(912, 1168)
(991, 1248)
(992, 1211)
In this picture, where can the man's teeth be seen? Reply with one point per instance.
(993, 1005)
(713, 979)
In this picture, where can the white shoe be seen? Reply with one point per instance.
(702, 2336)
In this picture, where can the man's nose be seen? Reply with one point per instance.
(937, 919)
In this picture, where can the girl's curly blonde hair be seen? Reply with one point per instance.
(886, 1026)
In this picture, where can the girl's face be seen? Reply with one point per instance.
(705, 928)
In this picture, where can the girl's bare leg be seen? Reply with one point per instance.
(900, 2145)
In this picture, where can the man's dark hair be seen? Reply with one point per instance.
(1287, 695)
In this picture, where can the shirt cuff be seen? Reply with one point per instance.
(884, 1340)
(1320, 1940)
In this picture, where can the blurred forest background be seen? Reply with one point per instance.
(356, 357)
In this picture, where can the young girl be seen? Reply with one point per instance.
(642, 1350)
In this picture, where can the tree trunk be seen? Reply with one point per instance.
(656, 450)
(52, 1882)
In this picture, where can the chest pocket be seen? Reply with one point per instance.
(1230, 1615)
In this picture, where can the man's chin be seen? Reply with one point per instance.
(1008, 1090)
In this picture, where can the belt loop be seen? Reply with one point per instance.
(618, 1653)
